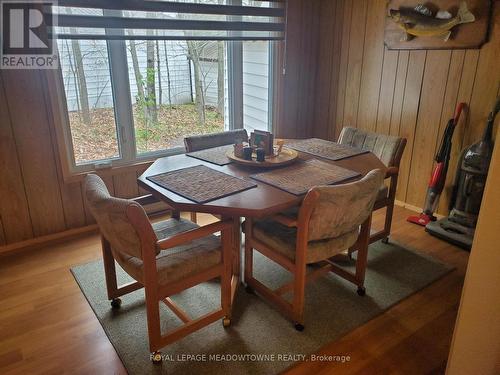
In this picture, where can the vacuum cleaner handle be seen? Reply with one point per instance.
(458, 112)
(443, 153)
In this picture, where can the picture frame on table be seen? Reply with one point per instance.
(262, 139)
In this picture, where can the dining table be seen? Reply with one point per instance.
(258, 202)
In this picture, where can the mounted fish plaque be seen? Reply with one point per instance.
(438, 24)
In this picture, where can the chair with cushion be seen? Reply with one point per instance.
(389, 150)
(202, 142)
(165, 258)
(330, 220)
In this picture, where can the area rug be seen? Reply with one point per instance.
(260, 340)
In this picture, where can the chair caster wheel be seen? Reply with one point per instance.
(226, 322)
(385, 240)
(361, 291)
(116, 303)
(156, 358)
(299, 327)
(249, 289)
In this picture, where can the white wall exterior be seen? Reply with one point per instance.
(255, 85)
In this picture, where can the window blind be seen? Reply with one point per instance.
(169, 20)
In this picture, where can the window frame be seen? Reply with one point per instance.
(122, 105)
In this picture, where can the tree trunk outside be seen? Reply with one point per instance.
(137, 71)
(198, 84)
(152, 115)
(80, 75)
(158, 68)
(82, 81)
(73, 72)
(220, 78)
(168, 74)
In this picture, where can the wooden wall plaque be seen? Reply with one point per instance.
(463, 36)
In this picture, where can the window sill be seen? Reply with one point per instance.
(111, 171)
(137, 165)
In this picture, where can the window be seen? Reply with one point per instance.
(89, 100)
(135, 95)
(171, 101)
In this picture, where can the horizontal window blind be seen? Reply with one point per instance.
(169, 20)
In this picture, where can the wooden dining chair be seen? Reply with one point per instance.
(389, 149)
(330, 220)
(202, 142)
(165, 258)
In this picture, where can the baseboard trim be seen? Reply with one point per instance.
(154, 211)
(408, 206)
(55, 238)
(49, 239)
(414, 208)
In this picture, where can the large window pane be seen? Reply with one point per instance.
(256, 85)
(174, 89)
(87, 83)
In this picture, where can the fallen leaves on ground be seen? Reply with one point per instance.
(97, 140)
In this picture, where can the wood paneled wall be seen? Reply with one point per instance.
(34, 199)
(337, 73)
(358, 82)
(298, 59)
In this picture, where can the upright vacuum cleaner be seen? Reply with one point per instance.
(438, 177)
(458, 228)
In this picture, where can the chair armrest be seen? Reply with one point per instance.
(146, 199)
(193, 234)
(391, 171)
(285, 220)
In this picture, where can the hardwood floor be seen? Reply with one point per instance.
(47, 326)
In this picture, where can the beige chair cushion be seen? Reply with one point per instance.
(282, 239)
(110, 214)
(387, 148)
(334, 223)
(172, 264)
(178, 262)
(341, 209)
(201, 142)
(293, 213)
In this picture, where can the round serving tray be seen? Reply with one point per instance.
(286, 156)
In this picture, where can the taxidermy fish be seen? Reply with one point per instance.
(420, 22)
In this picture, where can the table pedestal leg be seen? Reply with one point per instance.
(236, 263)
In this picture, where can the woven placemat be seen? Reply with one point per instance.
(216, 155)
(200, 183)
(300, 177)
(325, 149)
